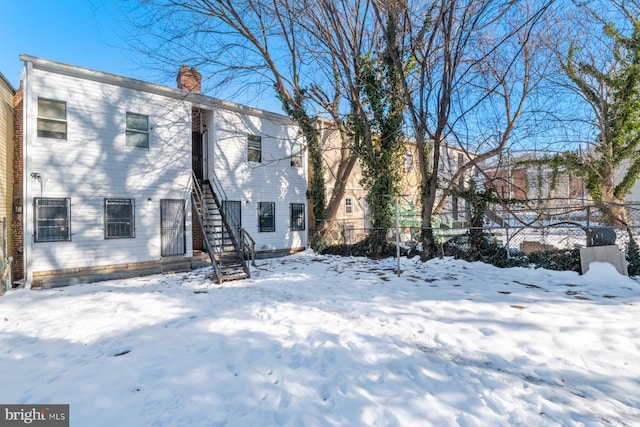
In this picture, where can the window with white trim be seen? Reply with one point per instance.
(137, 130)
(52, 118)
(348, 205)
(119, 218)
(408, 162)
(52, 218)
(296, 155)
(266, 216)
(254, 148)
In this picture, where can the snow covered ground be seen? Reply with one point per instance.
(327, 341)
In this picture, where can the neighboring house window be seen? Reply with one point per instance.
(137, 130)
(254, 146)
(297, 216)
(52, 118)
(408, 162)
(348, 205)
(52, 219)
(119, 219)
(267, 216)
(296, 155)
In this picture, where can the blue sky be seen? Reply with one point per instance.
(78, 32)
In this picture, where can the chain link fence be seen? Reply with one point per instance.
(525, 230)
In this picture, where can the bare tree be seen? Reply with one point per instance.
(308, 53)
(454, 60)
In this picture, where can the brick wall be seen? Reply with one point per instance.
(189, 79)
(18, 168)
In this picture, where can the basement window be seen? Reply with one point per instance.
(119, 218)
(137, 130)
(52, 118)
(52, 219)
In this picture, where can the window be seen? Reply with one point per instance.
(267, 216)
(348, 205)
(297, 216)
(296, 155)
(119, 220)
(254, 145)
(52, 219)
(408, 162)
(137, 130)
(52, 118)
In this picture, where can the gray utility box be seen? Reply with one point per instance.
(601, 247)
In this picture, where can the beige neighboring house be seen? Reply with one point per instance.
(353, 218)
(455, 210)
(6, 170)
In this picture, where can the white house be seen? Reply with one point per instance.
(107, 167)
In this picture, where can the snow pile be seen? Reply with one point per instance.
(329, 341)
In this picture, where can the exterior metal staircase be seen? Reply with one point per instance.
(229, 250)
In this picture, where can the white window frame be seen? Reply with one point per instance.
(43, 120)
(251, 151)
(135, 131)
(408, 162)
(348, 205)
(296, 155)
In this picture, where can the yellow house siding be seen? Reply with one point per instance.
(6, 157)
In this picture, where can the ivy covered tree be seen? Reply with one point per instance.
(380, 143)
(611, 87)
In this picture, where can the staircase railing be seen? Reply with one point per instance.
(243, 240)
(204, 217)
(248, 246)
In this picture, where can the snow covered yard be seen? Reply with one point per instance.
(327, 341)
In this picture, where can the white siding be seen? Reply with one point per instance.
(94, 163)
(272, 180)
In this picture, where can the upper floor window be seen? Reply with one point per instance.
(52, 218)
(119, 220)
(52, 118)
(296, 155)
(408, 162)
(137, 130)
(297, 216)
(254, 148)
(348, 205)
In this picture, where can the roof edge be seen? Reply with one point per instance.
(7, 82)
(198, 100)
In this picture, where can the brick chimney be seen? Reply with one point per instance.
(189, 79)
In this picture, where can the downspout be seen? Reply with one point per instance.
(26, 178)
(211, 150)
